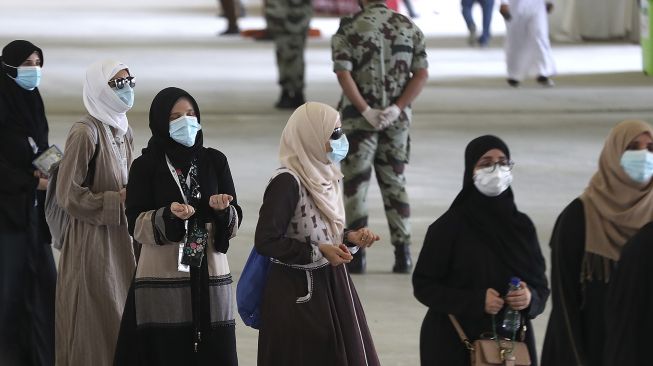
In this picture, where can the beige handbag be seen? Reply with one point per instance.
(495, 351)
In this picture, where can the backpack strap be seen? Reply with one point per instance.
(90, 174)
(282, 170)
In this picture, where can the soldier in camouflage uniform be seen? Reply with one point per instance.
(287, 23)
(380, 59)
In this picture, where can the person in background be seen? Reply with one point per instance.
(287, 24)
(470, 255)
(379, 57)
(231, 14)
(394, 5)
(181, 194)
(587, 241)
(310, 312)
(488, 9)
(97, 259)
(27, 270)
(528, 50)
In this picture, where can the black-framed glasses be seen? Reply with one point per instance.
(505, 165)
(121, 82)
(337, 133)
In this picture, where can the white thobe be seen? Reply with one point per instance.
(528, 50)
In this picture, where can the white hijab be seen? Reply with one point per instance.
(303, 151)
(100, 100)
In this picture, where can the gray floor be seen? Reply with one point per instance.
(555, 134)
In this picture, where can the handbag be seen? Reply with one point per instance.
(249, 291)
(493, 351)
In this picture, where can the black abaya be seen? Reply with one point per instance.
(478, 244)
(629, 319)
(27, 271)
(576, 330)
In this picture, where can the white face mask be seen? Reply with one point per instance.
(492, 181)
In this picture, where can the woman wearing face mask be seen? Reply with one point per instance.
(310, 313)
(182, 208)
(27, 271)
(97, 258)
(587, 241)
(469, 256)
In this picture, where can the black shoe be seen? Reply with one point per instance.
(545, 81)
(358, 264)
(290, 101)
(514, 83)
(230, 31)
(403, 262)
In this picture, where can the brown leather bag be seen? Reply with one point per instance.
(488, 352)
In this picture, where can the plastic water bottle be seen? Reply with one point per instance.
(512, 317)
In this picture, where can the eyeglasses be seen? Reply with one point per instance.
(337, 133)
(121, 82)
(503, 165)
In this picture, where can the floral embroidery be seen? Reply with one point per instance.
(197, 236)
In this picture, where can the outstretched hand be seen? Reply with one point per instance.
(219, 202)
(181, 210)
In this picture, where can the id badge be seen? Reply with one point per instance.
(180, 266)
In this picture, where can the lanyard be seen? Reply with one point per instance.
(180, 267)
(122, 157)
(175, 176)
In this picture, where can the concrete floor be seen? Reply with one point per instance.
(555, 134)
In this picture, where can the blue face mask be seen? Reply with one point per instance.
(28, 77)
(339, 148)
(126, 94)
(184, 130)
(638, 164)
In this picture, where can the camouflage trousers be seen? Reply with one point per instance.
(387, 152)
(288, 22)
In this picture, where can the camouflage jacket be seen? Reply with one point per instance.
(381, 49)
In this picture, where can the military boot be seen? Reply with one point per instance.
(403, 262)
(290, 100)
(357, 265)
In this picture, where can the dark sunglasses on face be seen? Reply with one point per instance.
(337, 133)
(121, 82)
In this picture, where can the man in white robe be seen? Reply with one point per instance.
(528, 50)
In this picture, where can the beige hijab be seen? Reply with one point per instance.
(616, 207)
(302, 150)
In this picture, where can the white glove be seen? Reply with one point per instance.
(390, 115)
(374, 117)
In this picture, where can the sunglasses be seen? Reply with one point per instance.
(120, 83)
(337, 133)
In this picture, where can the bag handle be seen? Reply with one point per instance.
(506, 354)
(461, 332)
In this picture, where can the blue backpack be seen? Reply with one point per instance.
(249, 291)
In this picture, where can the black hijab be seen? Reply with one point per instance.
(24, 108)
(161, 142)
(509, 233)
